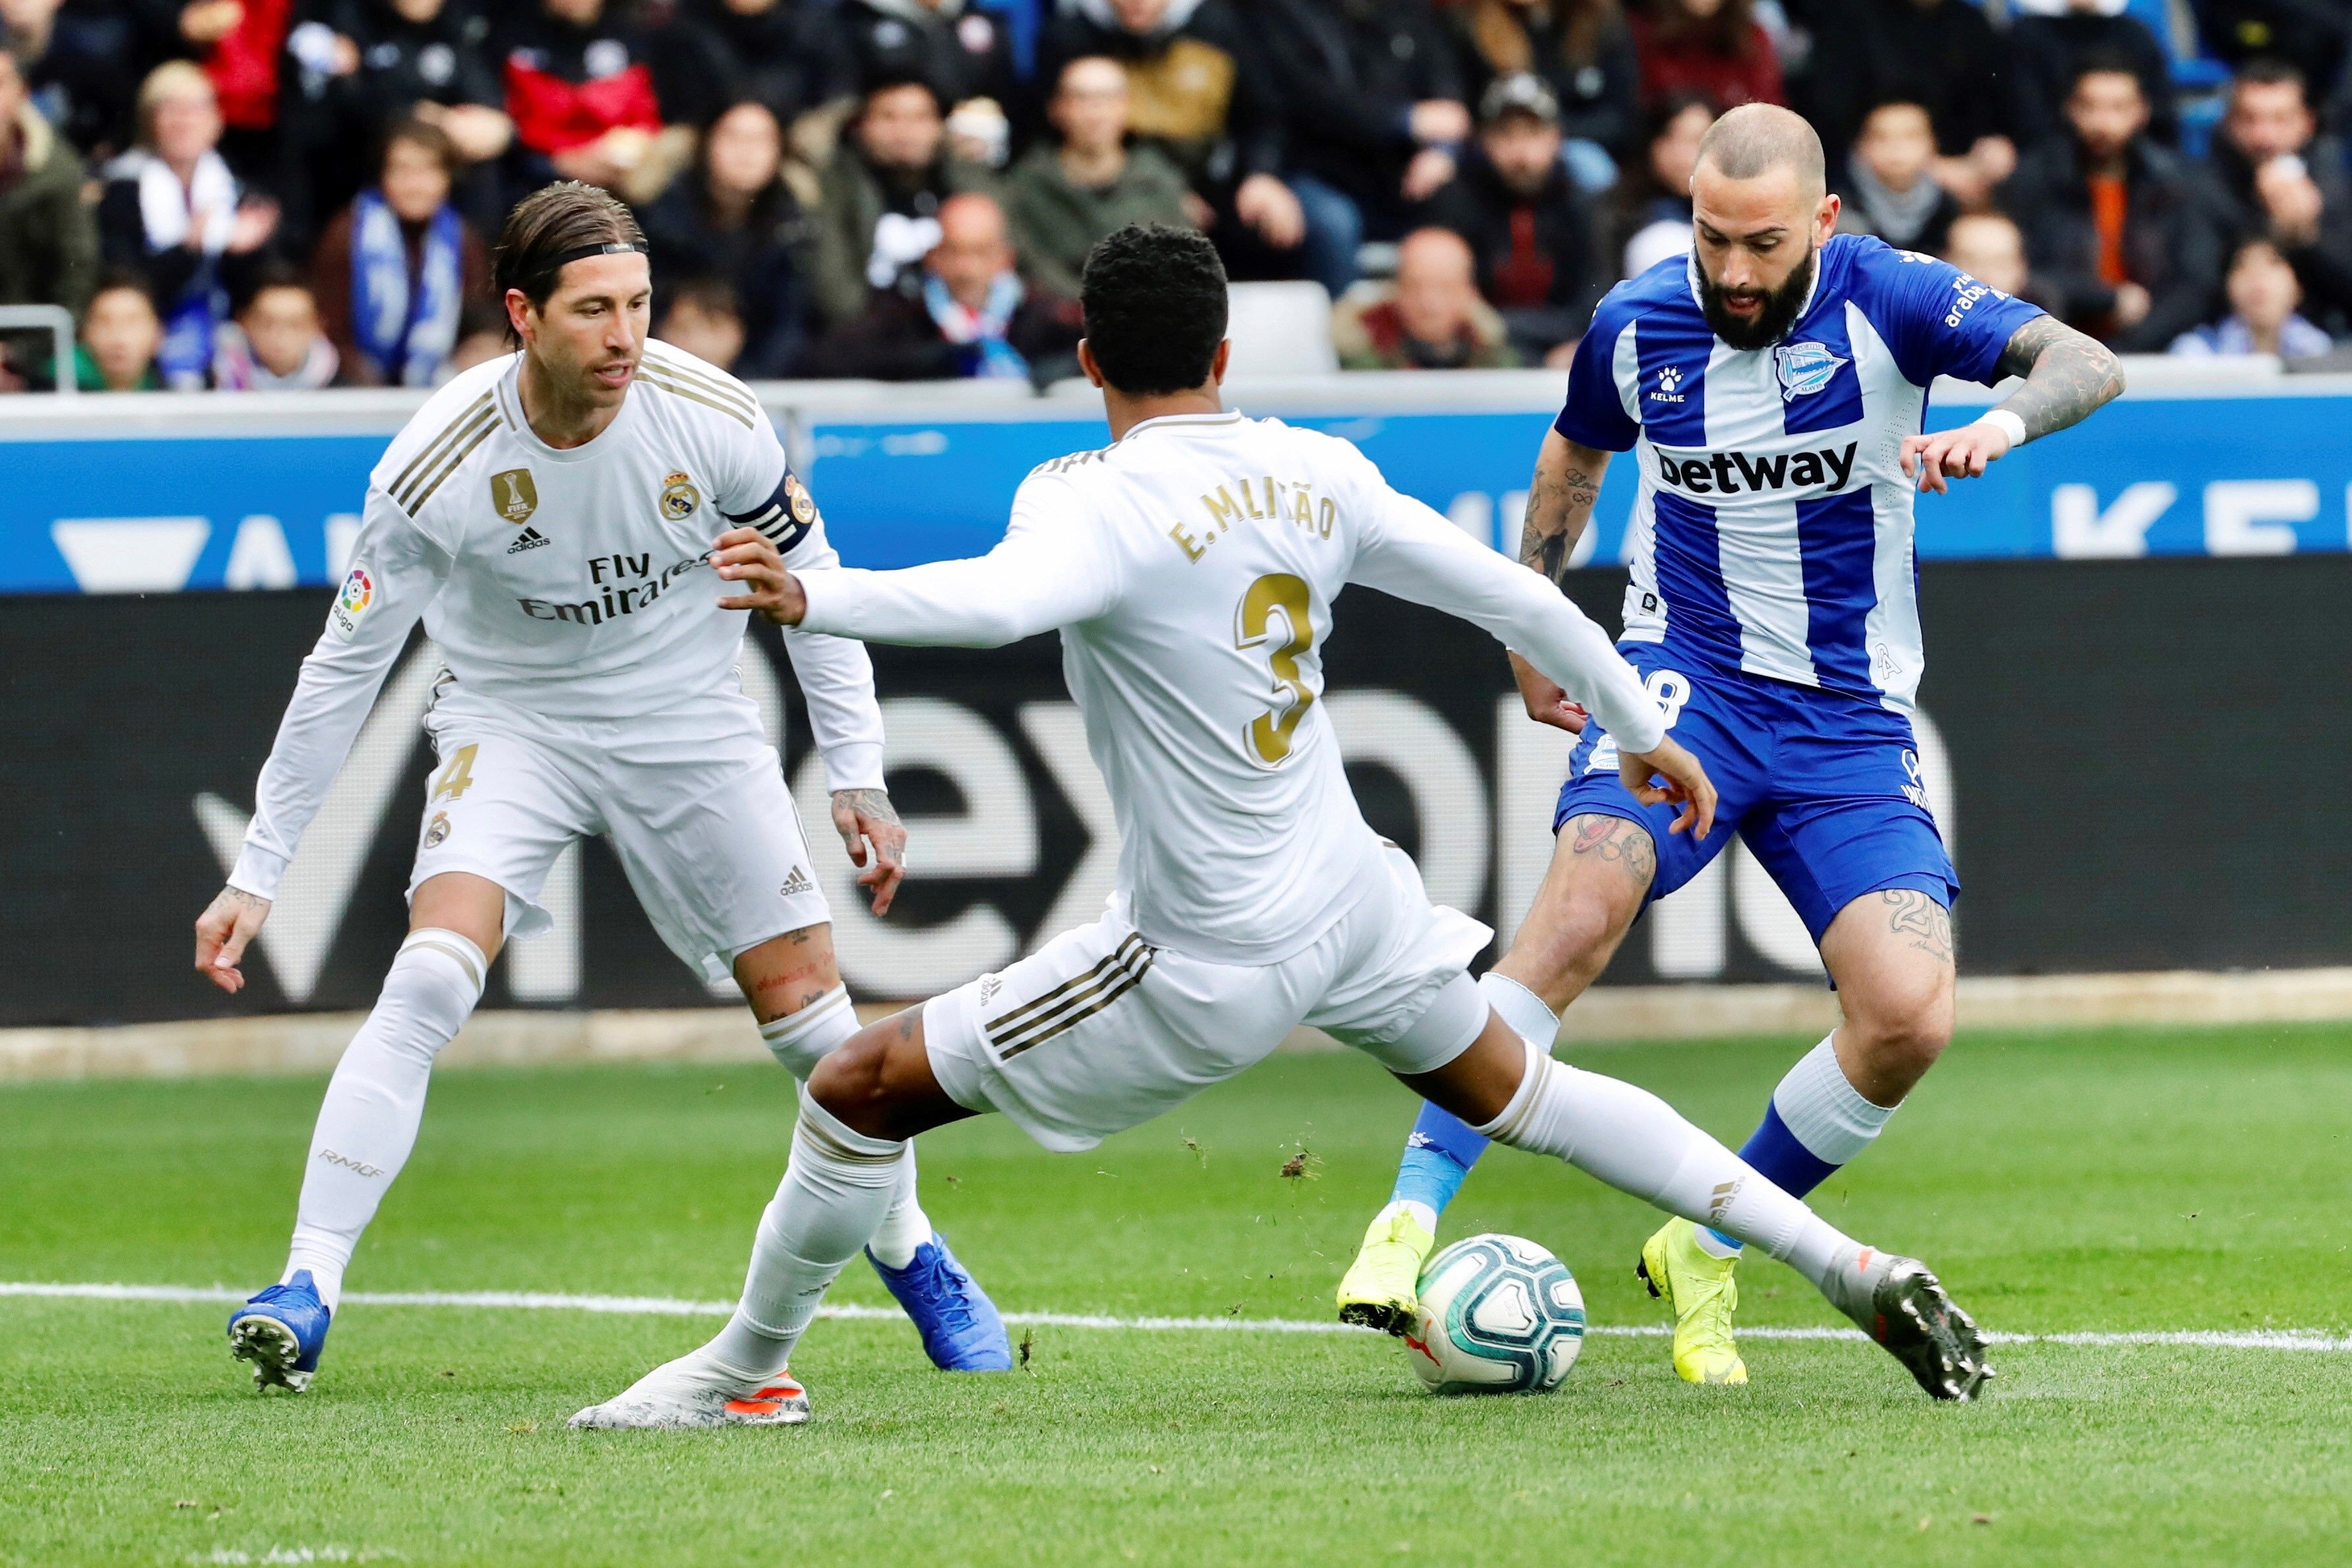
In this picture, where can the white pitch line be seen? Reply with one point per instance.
(672, 1306)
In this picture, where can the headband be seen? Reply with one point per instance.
(579, 253)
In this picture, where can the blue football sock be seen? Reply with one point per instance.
(1437, 1156)
(1832, 1120)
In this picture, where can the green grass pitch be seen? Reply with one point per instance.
(2123, 1181)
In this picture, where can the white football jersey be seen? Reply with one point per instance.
(1191, 569)
(572, 585)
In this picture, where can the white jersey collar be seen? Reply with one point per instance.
(1230, 417)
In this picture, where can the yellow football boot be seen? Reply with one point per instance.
(1383, 1283)
(1702, 1294)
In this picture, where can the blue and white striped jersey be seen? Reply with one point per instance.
(1773, 532)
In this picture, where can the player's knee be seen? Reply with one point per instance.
(1901, 1041)
(849, 1082)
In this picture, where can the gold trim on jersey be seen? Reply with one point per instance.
(689, 374)
(678, 387)
(452, 453)
(452, 431)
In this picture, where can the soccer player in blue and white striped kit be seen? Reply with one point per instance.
(1771, 385)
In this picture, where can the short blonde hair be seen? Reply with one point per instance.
(167, 80)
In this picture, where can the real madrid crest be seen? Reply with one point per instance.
(803, 504)
(679, 497)
(437, 829)
(514, 496)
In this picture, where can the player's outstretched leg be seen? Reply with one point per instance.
(837, 1187)
(1379, 1289)
(1636, 1142)
(365, 1129)
(960, 1328)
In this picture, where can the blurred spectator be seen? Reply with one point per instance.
(120, 334)
(49, 244)
(706, 319)
(2049, 43)
(734, 221)
(589, 92)
(80, 68)
(1942, 55)
(275, 343)
(1372, 103)
(1430, 320)
(173, 212)
(240, 42)
(1583, 51)
(1528, 224)
(790, 55)
(2116, 229)
(955, 46)
(360, 66)
(2284, 182)
(882, 196)
(1062, 199)
(1988, 247)
(2262, 319)
(1197, 92)
(1653, 205)
(1712, 47)
(2314, 33)
(963, 313)
(483, 335)
(1889, 182)
(394, 270)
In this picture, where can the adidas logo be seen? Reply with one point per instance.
(796, 884)
(529, 538)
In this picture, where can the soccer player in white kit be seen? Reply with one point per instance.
(550, 517)
(1191, 569)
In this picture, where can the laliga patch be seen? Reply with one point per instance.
(351, 601)
(679, 497)
(1805, 368)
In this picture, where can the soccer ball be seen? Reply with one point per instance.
(1498, 1314)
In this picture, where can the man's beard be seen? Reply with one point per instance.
(1765, 327)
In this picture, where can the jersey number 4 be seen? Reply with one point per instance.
(1269, 734)
(457, 776)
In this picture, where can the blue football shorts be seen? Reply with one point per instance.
(1826, 787)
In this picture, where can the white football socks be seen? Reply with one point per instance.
(801, 1040)
(376, 1099)
(1530, 1016)
(1638, 1143)
(1824, 1111)
(834, 1194)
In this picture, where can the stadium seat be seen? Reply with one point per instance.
(1281, 329)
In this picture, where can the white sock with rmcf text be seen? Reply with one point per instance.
(1640, 1145)
(802, 1039)
(376, 1100)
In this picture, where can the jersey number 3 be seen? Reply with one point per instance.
(1269, 734)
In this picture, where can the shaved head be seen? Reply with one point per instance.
(1757, 138)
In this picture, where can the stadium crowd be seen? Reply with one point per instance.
(295, 193)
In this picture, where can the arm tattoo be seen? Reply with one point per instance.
(1559, 506)
(2067, 375)
(874, 803)
(1618, 842)
(249, 900)
(1921, 920)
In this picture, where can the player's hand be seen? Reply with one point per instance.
(1961, 453)
(1546, 701)
(223, 930)
(1684, 781)
(866, 817)
(749, 557)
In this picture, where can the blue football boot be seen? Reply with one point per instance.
(961, 1331)
(281, 1331)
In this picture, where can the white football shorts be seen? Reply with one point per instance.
(1098, 1032)
(693, 802)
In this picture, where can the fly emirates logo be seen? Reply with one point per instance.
(1737, 473)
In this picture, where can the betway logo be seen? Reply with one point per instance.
(1733, 473)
